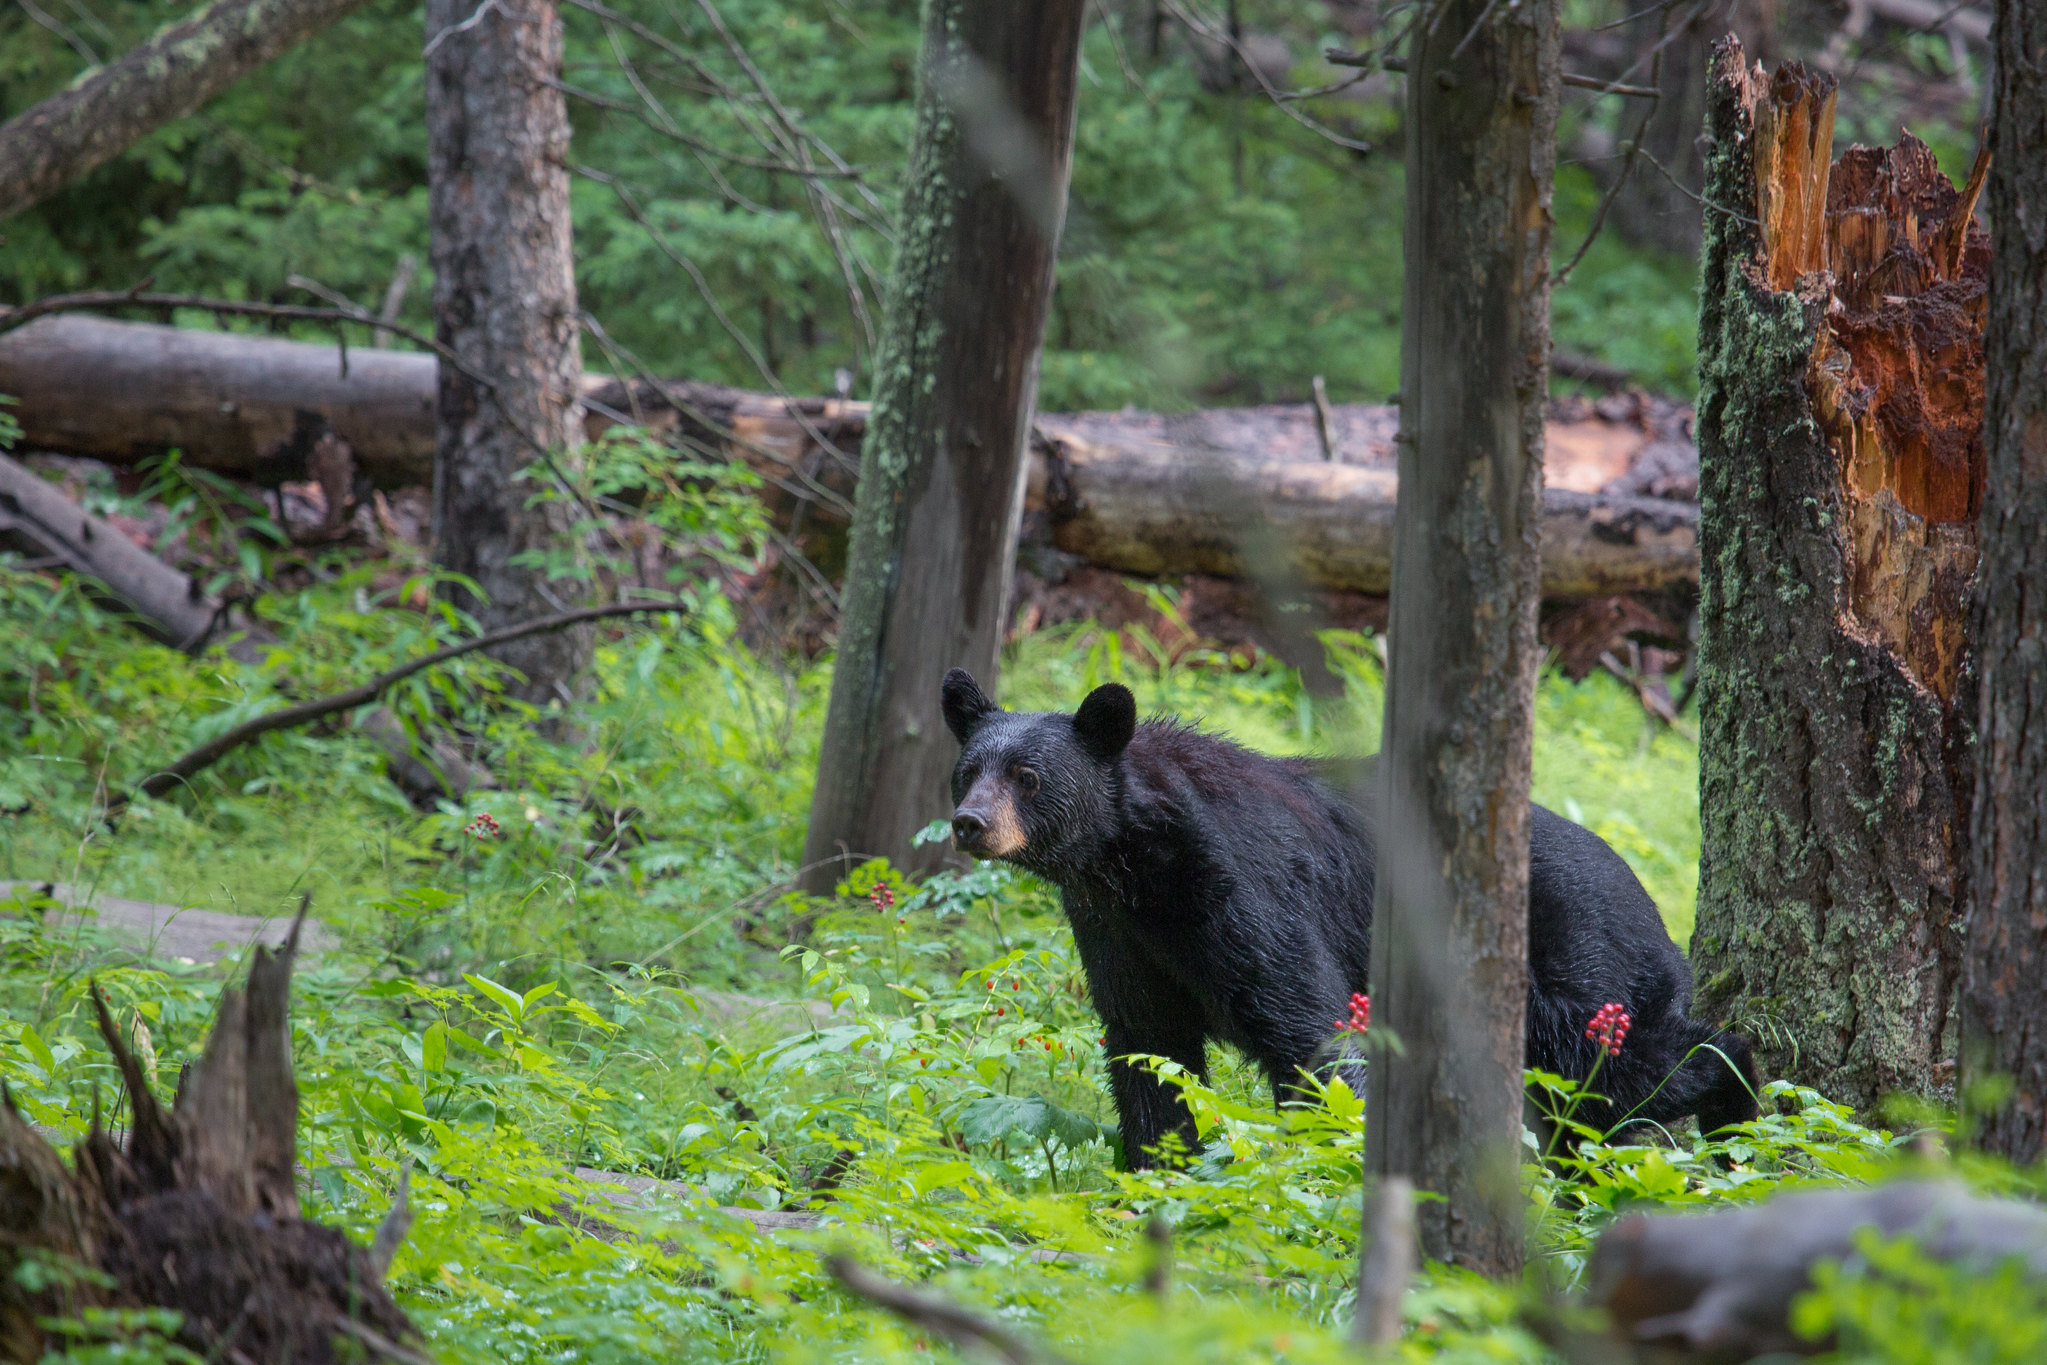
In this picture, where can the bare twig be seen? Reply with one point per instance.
(62, 30)
(1227, 38)
(394, 298)
(935, 1313)
(1325, 418)
(1336, 57)
(451, 30)
(391, 1232)
(379, 1344)
(288, 717)
(1613, 191)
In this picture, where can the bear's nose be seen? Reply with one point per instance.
(967, 828)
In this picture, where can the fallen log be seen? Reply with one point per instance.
(1234, 492)
(1719, 1286)
(35, 515)
(197, 1212)
(184, 65)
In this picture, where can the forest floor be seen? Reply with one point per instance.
(605, 981)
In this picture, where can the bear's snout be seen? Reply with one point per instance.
(986, 824)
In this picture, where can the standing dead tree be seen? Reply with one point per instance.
(943, 462)
(197, 1211)
(1450, 942)
(1841, 475)
(47, 147)
(2004, 990)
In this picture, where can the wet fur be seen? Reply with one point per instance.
(1221, 895)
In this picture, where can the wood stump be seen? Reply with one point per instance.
(196, 1212)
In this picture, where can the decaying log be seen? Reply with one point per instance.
(37, 516)
(1841, 477)
(123, 391)
(197, 1211)
(1240, 493)
(177, 70)
(1719, 1286)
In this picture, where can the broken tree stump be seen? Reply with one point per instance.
(1841, 475)
(197, 1212)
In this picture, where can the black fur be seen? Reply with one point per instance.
(1220, 895)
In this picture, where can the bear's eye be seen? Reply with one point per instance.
(1027, 778)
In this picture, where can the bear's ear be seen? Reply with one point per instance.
(1106, 720)
(963, 702)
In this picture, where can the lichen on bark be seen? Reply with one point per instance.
(942, 463)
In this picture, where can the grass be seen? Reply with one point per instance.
(506, 1007)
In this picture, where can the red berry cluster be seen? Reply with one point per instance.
(1360, 1015)
(484, 826)
(1609, 1028)
(883, 897)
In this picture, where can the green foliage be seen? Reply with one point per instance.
(1891, 1304)
(922, 1070)
(1215, 248)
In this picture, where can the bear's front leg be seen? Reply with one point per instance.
(1148, 1108)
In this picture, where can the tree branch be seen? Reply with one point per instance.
(937, 1314)
(76, 130)
(1338, 57)
(289, 717)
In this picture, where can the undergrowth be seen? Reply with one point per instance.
(612, 974)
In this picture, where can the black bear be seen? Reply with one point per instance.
(1220, 894)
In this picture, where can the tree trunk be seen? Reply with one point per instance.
(505, 302)
(942, 467)
(2004, 991)
(1841, 472)
(1450, 950)
(45, 148)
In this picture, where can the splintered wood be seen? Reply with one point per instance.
(1896, 377)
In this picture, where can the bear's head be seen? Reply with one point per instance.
(1035, 788)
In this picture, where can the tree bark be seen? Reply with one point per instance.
(1450, 949)
(56, 142)
(505, 302)
(2004, 991)
(1841, 472)
(942, 466)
